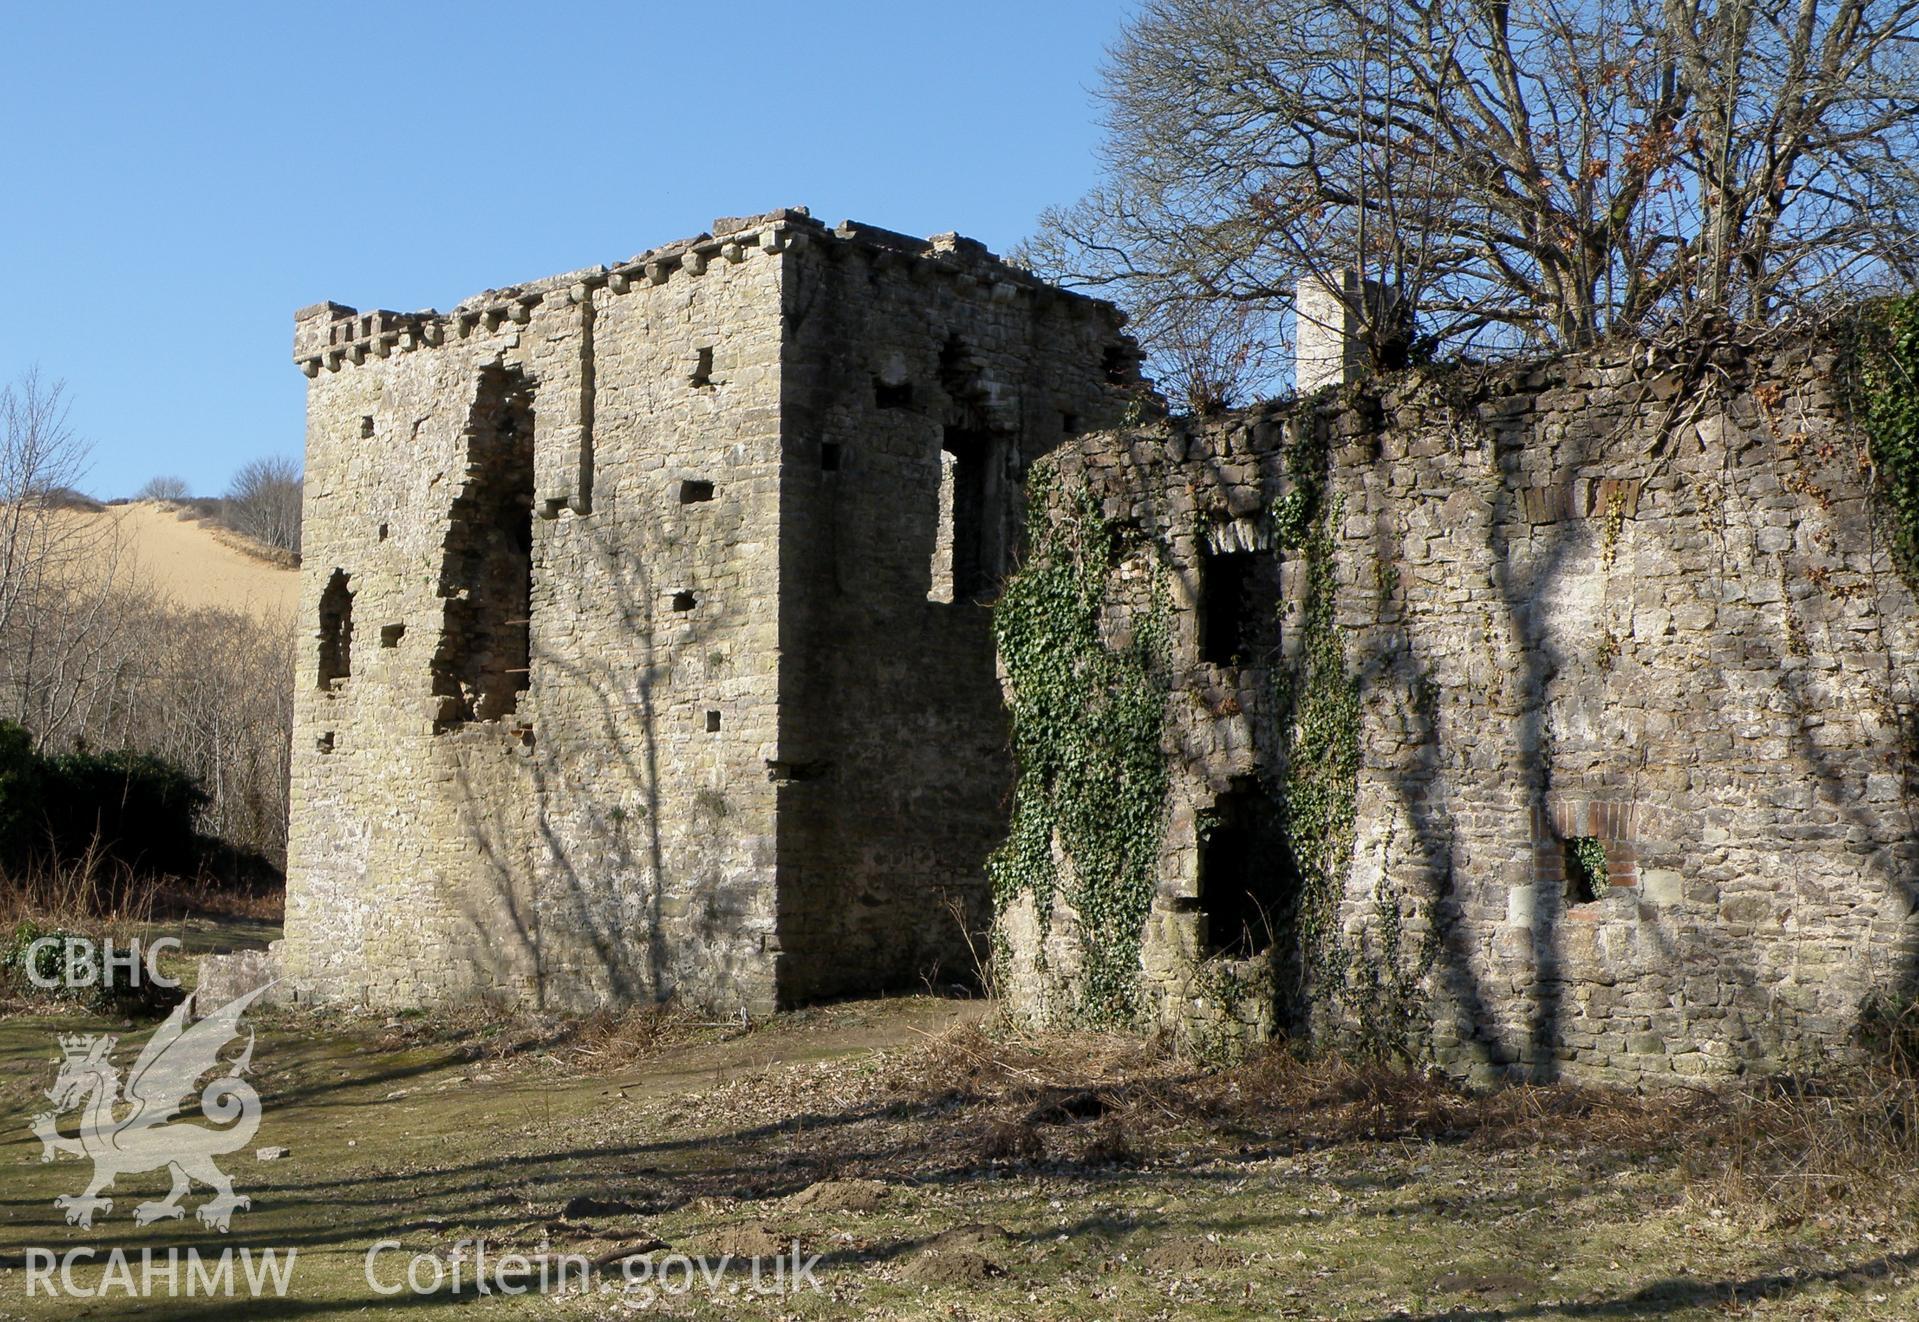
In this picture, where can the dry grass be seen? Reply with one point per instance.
(1843, 1144)
(1138, 1086)
(215, 897)
(599, 1043)
(95, 893)
(197, 564)
(92, 892)
(1836, 1146)
(959, 1172)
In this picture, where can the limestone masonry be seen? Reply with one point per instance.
(1635, 680)
(647, 649)
(650, 655)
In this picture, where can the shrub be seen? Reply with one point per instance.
(20, 963)
(166, 488)
(130, 808)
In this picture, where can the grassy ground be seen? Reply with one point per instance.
(943, 1170)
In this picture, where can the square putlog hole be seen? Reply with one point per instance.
(693, 492)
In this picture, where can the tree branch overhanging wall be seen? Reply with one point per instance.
(1527, 176)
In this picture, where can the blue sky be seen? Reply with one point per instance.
(180, 178)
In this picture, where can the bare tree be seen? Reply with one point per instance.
(89, 654)
(264, 502)
(213, 695)
(1523, 173)
(165, 487)
(40, 457)
(58, 565)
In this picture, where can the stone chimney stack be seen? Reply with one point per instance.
(1327, 348)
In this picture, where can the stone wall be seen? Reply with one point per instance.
(610, 659)
(902, 513)
(1586, 604)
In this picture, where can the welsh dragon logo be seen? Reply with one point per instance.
(138, 1132)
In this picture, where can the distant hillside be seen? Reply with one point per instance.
(198, 563)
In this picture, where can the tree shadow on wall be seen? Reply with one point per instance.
(581, 895)
(1528, 570)
(1541, 547)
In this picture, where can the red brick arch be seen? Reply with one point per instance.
(1614, 822)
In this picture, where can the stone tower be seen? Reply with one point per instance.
(648, 651)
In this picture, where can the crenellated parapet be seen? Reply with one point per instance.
(644, 646)
(330, 336)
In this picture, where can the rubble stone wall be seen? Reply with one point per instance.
(653, 701)
(1594, 601)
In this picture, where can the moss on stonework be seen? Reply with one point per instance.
(1087, 722)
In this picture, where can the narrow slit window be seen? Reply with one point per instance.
(336, 631)
(703, 367)
(829, 456)
(712, 721)
(964, 560)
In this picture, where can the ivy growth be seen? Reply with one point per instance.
(1321, 702)
(1886, 361)
(1586, 869)
(1087, 722)
(1374, 989)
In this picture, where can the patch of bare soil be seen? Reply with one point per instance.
(951, 1267)
(747, 1239)
(840, 1196)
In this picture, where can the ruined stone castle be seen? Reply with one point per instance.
(646, 652)
(1553, 720)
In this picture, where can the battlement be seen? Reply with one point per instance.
(648, 602)
(328, 336)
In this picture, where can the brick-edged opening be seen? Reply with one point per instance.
(1564, 819)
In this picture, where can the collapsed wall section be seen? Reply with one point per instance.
(548, 518)
(480, 664)
(1578, 747)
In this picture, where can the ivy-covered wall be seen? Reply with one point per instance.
(1579, 742)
